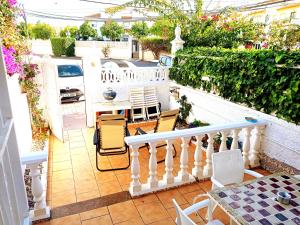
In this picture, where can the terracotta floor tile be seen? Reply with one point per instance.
(124, 179)
(145, 199)
(166, 198)
(168, 221)
(61, 157)
(63, 198)
(85, 186)
(102, 220)
(109, 188)
(62, 174)
(61, 165)
(87, 195)
(103, 177)
(77, 144)
(152, 212)
(68, 220)
(190, 196)
(67, 185)
(94, 213)
(205, 185)
(134, 221)
(123, 211)
(188, 188)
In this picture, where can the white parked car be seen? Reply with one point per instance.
(71, 83)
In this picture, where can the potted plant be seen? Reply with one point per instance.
(184, 112)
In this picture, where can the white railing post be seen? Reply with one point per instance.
(33, 160)
(168, 176)
(255, 147)
(235, 138)
(184, 157)
(152, 180)
(246, 147)
(197, 170)
(135, 185)
(210, 149)
(41, 211)
(223, 146)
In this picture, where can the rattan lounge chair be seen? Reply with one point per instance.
(166, 122)
(109, 138)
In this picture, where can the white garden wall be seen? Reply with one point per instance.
(281, 139)
(119, 49)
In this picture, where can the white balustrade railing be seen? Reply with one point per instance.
(33, 161)
(250, 133)
(139, 74)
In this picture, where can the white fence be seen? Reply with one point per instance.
(251, 133)
(281, 140)
(98, 79)
(13, 201)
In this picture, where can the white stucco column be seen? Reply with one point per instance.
(177, 43)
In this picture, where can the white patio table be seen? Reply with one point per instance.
(113, 106)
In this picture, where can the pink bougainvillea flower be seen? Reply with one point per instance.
(204, 17)
(12, 66)
(12, 3)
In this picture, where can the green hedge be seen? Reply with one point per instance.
(63, 46)
(250, 77)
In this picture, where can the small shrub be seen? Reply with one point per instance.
(58, 46)
(63, 46)
(184, 109)
(42, 31)
(69, 46)
(106, 51)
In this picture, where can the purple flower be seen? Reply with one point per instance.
(12, 66)
(12, 2)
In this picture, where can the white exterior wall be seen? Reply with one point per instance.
(281, 139)
(20, 112)
(119, 49)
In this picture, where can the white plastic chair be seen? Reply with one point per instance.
(151, 102)
(137, 100)
(183, 215)
(228, 168)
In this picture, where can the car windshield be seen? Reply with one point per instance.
(69, 71)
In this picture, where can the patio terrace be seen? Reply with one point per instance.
(73, 178)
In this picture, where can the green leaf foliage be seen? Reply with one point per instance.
(63, 46)
(265, 80)
(139, 30)
(112, 30)
(73, 30)
(42, 31)
(86, 31)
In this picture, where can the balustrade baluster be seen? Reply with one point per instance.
(152, 180)
(183, 173)
(210, 149)
(255, 147)
(223, 146)
(168, 176)
(197, 170)
(235, 138)
(246, 147)
(41, 211)
(135, 185)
